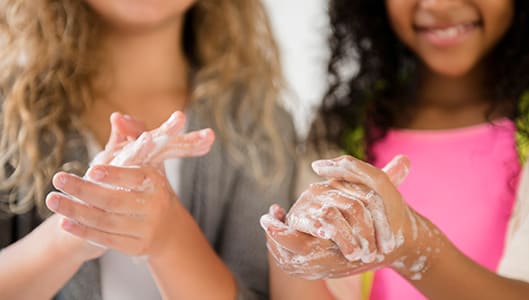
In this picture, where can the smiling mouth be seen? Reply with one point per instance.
(447, 35)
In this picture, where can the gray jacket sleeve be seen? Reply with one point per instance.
(243, 242)
(227, 202)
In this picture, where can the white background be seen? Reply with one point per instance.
(301, 30)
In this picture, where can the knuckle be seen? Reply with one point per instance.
(152, 172)
(142, 248)
(107, 240)
(81, 230)
(75, 189)
(99, 220)
(115, 203)
(317, 187)
(330, 212)
(381, 178)
(344, 157)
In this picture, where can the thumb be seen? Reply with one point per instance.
(123, 128)
(397, 169)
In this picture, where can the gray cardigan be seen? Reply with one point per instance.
(224, 199)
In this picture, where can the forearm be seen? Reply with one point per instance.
(454, 276)
(188, 268)
(286, 287)
(37, 266)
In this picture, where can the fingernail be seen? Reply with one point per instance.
(203, 133)
(322, 233)
(67, 224)
(326, 232)
(264, 222)
(53, 203)
(97, 173)
(269, 223)
(321, 164)
(61, 180)
(127, 117)
(273, 209)
(172, 118)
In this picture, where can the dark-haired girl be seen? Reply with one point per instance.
(443, 82)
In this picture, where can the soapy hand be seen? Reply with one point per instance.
(353, 222)
(128, 204)
(152, 147)
(123, 130)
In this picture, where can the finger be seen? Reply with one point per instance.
(350, 169)
(304, 214)
(150, 143)
(156, 140)
(309, 223)
(292, 240)
(359, 218)
(343, 235)
(174, 125)
(126, 127)
(275, 252)
(386, 240)
(373, 202)
(304, 205)
(269, 222)
(131, 178)
(397, 169)
(115, 200)
(91, 216)
(136, 152)
(277, 212)
(354, 171)
(122, 129)
(154, 149)
(279, 253)
(125, 244)
(321, 263)
(193, 144)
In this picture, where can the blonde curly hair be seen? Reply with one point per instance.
(49, 58)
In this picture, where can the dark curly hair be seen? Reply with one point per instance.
(363, 103)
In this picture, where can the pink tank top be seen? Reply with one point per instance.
(464, 180)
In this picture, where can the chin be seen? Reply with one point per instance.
(140, 24)
(139, 14)
(451, 67)
(454, 71)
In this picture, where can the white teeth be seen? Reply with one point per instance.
(449, 32)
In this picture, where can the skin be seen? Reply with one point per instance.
(139, 68)
(139, 15)
(353, 181)
(38, 254)
(143, 74)
(411, 18)
(450, 95)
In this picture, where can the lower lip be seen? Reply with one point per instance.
(446, 41)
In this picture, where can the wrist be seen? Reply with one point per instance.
(423, 243)
(169, 242)
(68, 245)
(186, 253)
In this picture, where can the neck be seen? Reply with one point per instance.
(447, 92)
(141, 64)
(450, 102)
